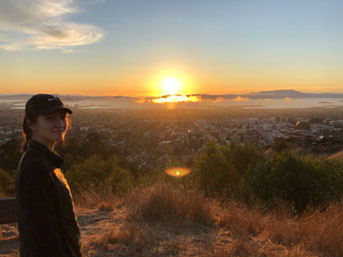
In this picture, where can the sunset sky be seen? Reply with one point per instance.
(132, 47)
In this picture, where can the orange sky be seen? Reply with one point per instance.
(210, 47)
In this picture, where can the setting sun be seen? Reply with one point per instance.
(171, 86)
(172, 90)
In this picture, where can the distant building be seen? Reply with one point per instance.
(303, 125)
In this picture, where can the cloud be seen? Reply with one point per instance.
(169, 99)
(241, 99)
(43, 24)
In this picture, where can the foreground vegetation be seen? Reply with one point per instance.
(234, 202)
(237, 172)
(168, 220)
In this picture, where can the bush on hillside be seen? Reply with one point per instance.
(95, 173)
(243, 156)
(168, 202)
(296, 180)
(219, 169)
(214, 173)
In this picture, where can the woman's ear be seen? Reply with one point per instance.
(31, 124)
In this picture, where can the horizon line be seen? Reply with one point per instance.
(165, 95)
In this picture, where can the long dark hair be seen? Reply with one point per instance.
(27, 132)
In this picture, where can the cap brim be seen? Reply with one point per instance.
(55, 109)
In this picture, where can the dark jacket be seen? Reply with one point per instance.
(47, 222)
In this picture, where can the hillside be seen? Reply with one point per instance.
(235, 202)
(161, 221)
(108, 233)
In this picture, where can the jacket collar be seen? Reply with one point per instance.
(53, 157)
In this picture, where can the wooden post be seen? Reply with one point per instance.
(7, 212)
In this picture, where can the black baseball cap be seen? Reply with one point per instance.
(44, 104)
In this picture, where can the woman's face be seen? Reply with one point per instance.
(50, 128)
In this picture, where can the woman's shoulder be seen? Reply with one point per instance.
(33, 161)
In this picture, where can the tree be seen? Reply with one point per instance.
(10, 153)
(94, 173)
(296, 180)
(6, 183)
(215, 174)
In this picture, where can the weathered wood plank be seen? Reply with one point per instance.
(8, 210)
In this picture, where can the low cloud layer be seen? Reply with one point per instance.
(241, 99)
(169, 99)
(43, 24)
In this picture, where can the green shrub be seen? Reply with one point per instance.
(241, 172)
(152, 176)
(94, 173)
(120, 181)
(296, 180)
(214, 173)
(219, 169)
(243, 156)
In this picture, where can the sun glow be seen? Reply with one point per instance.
(172, 92)
(175, 99)
(171, 86)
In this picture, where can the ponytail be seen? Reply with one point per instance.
(27, 132)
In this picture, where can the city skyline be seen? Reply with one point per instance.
(151, 48)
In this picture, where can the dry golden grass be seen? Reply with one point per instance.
(103, 200)
(317, 231)
(128, 239)
(240, 220)
(248, 247)
(106, 206)
(154, 216)
(324, 230)
(242, 248)
(320, 232)
(162, 203)
(128, 234)
(239, 248)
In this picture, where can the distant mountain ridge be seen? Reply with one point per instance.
(293, 94)
(277, 94)
(280, 93)
(272, 94)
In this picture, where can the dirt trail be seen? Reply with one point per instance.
(92, 223)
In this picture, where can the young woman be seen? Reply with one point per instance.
(47, 222)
